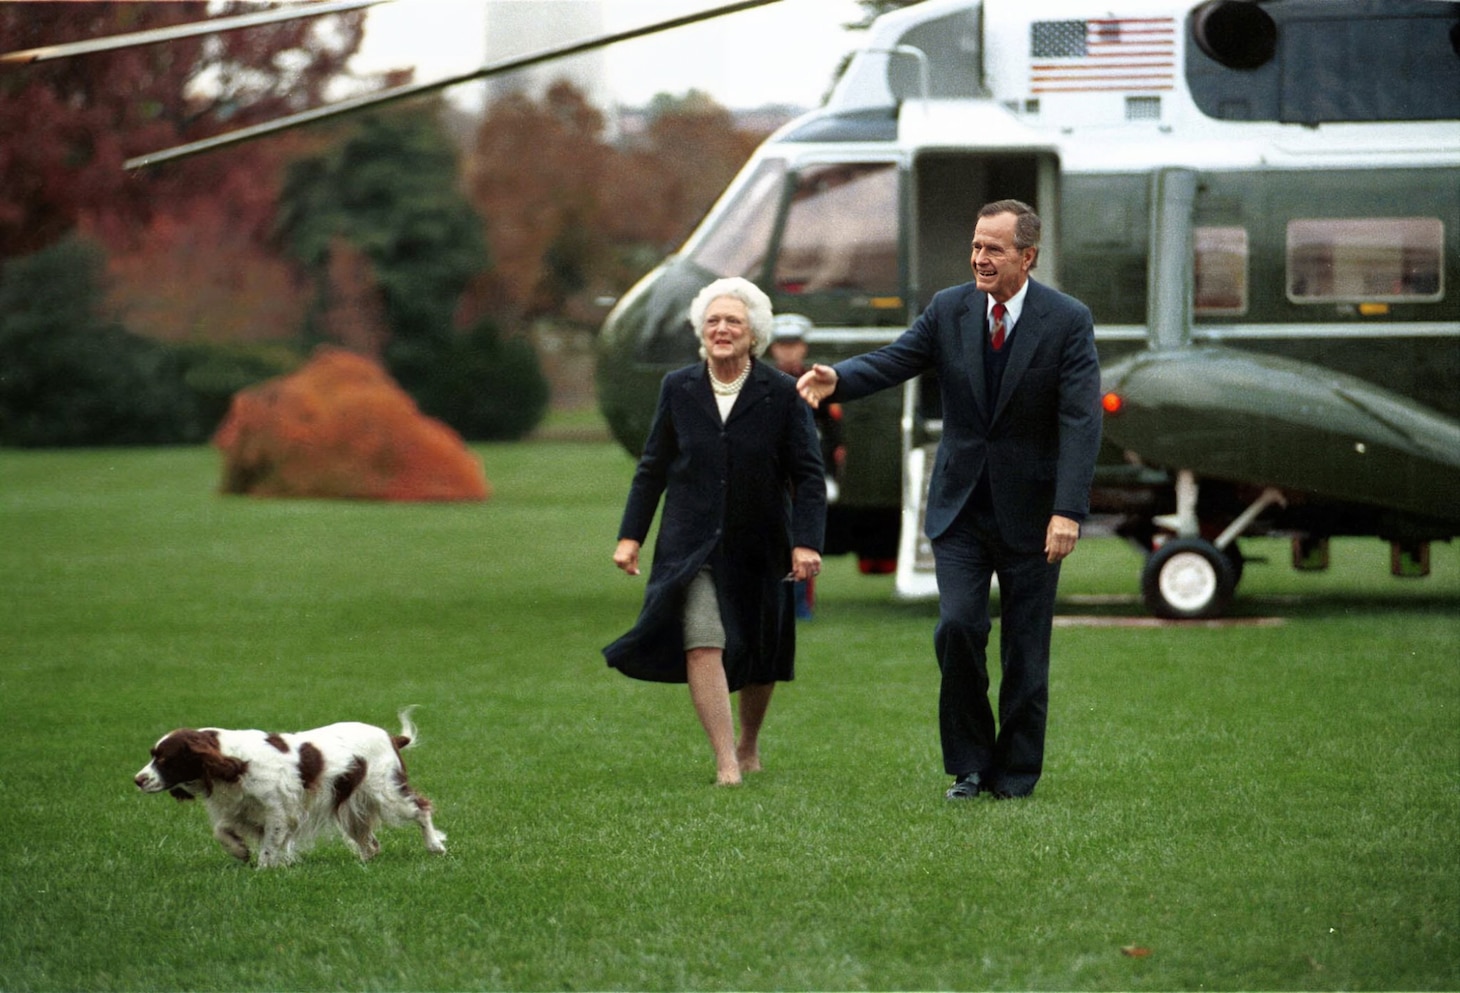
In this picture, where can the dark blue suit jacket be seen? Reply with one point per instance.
(1037, 439)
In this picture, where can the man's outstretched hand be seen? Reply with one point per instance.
(817, 384)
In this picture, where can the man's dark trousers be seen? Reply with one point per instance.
(1008, 760)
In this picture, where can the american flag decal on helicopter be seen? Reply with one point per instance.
(1135, 53)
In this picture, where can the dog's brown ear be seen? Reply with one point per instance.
(220, 767)
(216, 766)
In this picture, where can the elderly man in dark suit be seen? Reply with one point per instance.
(1020, 386)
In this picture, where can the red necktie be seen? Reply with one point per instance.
(997, 338)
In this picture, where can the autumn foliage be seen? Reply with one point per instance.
(67, 125)
(195, 275)
(571, 215)
(341, 428)
(441, 252)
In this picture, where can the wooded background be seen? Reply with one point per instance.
(133, 304)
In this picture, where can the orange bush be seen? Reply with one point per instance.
(340, 427)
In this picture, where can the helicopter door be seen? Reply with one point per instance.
(948, 188)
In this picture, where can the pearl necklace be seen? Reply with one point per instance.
(731, 388)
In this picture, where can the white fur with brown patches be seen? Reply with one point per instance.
(273, 794)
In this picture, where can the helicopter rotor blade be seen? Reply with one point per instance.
(157, 35)
(419, 89)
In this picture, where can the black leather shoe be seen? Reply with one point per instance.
(965, 788)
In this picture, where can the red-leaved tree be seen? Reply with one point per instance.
(67, 125)
(571, 216)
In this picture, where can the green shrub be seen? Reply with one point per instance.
(485, 387)
(69, 375)
(213, 373)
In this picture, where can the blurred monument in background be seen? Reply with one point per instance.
(526, 27)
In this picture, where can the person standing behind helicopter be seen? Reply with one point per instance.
(732, 450)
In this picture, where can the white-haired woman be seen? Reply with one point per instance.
(734, 454)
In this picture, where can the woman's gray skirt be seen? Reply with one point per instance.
(702, 626)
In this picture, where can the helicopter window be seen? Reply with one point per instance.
(1363, 258)
(1220, 271)
(841, 231)
(737, 242)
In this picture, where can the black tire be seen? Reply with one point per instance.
(1237, 561)
(1187, 579)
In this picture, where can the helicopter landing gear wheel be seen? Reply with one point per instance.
(1188, 578)
(1237, 561)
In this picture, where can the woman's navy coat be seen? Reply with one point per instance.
(738, 496)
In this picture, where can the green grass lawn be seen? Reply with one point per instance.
(1269, 805)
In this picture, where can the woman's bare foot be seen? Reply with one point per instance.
(749, 760)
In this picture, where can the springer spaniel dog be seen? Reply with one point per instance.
(276, 792)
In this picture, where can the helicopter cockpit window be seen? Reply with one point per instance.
(1220, 271)
(1352, 260)
(737, 242)
(841, 231)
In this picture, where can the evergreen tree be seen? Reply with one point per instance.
(389, 191)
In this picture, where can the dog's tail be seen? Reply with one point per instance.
(407, 736)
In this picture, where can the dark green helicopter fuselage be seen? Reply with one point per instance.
(1275, 277)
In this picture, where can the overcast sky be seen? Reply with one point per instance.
(785, 52)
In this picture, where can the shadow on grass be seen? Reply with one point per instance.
(1245, 610)
(1279, 606)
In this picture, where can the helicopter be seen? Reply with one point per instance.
(1260, 203)
(1258, 199)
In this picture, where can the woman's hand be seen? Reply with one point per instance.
(626, 556)
(805, 563)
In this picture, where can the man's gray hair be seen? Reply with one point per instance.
(757, 309)
(1026, 222)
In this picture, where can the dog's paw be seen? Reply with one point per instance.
(233, 845)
